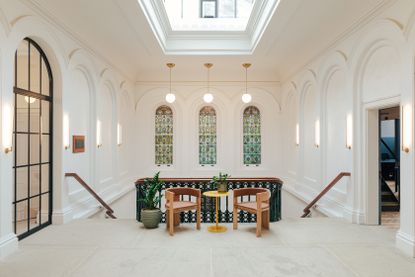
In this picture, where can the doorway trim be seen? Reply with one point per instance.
(370, 155)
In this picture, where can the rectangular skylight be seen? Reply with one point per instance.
(208, 15)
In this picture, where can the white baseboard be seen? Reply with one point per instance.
(405, 243)
(62, 216)
(353, 216)
(109, 195)
(8, 244)
(326, 206)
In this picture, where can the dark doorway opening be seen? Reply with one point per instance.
(389, 166)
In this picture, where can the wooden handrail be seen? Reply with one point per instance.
(93, 193)
(325, 190)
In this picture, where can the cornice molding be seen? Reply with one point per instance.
(212, 83)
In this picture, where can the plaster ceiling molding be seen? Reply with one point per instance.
(334, 62)
(208, 42)
(4, 22)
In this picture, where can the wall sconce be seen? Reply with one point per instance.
(297, 134)
(406, 133)
(317, 133)
(99, 138)
(7, 128)
(65, 129)
(119, 134)
(349, 131)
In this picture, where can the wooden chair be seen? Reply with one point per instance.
(260, 207)
(174, 206)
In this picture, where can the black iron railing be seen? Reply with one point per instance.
(225, 203)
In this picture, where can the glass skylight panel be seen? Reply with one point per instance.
(208, 15)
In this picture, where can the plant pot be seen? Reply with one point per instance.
(223, 187)
(150, 218)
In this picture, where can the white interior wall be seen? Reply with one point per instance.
(85, 88)
(229, 108)
(368, 69)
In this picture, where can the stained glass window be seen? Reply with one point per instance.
(207, 136)
(252, 136)
(164, 136)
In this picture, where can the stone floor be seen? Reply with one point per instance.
(293, 247)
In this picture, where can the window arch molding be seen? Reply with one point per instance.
(168, 139)
(207, 136)
(243, 136)
(219, 105)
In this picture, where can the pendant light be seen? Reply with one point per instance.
(170, 97)
(246, 97)
(208, 97)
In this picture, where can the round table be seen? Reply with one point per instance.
(214, 193)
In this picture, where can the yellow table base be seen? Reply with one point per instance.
(217, 229)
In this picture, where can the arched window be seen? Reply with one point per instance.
(164, 136)
(207, 136)
(252, 136)
(33, 139)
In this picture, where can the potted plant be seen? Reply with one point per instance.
(150, 214)
(220, 182)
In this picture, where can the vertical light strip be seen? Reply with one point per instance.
(406, 132)
(317, 133)
(99, 138)
(65, 129)
(297, 134)
(349, 131)
(119, 134)
(7, 128)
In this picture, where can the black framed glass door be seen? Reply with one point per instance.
(33, 140)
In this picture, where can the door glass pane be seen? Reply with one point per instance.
(34, 69)
(34, 180)
(34, 212)
(21, 217)
(23, 65)
(45, 79)
(34, 115)
(21, 149)
(45, 117)
(45, 148)
(34, 149)
(45, 178)
(21, 183)
(22, 116)
(44, 212)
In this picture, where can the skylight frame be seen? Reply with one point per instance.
(208, 42)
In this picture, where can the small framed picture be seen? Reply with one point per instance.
(78, 144)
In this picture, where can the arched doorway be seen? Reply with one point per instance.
(33, 140)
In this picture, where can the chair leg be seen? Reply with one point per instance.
(235, 218)
(258, 223)
(171, 225)
(265, 219)
(167, 219)
(198, 218)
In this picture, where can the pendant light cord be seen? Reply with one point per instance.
(208, 79)
(246, 80)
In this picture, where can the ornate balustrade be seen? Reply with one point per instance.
(225, 203)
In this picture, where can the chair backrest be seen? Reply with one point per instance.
(183, 191)
(262, 194)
